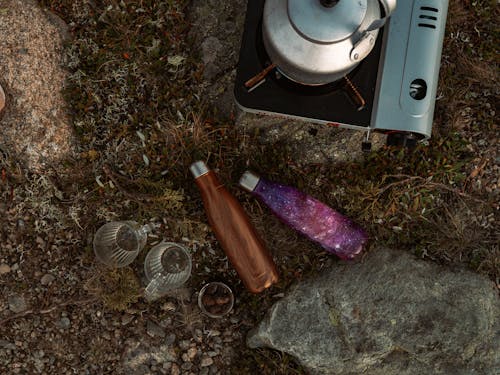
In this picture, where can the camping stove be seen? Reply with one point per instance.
(392, 90)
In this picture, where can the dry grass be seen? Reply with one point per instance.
(134, 92)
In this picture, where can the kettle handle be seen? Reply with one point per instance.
(364, 44)
(389, 6)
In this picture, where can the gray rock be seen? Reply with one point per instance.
(184, 344)
(140, 354)
(210, 49)
(126, 319)
(33, 67)
(175, 370)
(4, 268)
(154, 329)
(170, 339)
(191, 353)
(206, 361)
(4, 344)
(17, 303)
(390, 314)
(309, 143)
(64, 323)
(217, 29)
(187, 366)
(47, 279)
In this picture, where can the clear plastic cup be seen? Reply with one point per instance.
(216, 299)
(118, 243)
(167, 267)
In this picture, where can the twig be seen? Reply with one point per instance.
(438, 185)
(402, 182)
(47, 310)
(114, 178)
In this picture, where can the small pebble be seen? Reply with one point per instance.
(4, 344)
(184, 344)
(64, 323)
(4, 268)
(17, 304)
(187, 366)
(175, 370)
(169, 306)
(191, 353)
(47, 279)
(40, 241)
(126, 319)
(167, 322)
(206, 361)
(167, 365)
(154, 329)
(170, 339)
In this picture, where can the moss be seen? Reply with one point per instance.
(334, 317)
(117, 288)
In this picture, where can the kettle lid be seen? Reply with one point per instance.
(326, 21)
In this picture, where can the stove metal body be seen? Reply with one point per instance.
(398, 79)
(409, 67)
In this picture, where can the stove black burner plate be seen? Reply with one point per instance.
(329, 103)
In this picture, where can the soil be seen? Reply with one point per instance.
(77, 151)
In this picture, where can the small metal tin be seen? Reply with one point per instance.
(220, 291)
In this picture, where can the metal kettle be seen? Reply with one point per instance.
(315, 42)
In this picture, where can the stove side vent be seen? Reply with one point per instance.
(428, 17)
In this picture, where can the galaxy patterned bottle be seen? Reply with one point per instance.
(320, 223)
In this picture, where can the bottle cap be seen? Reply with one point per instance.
(249, 181)
(198, 168)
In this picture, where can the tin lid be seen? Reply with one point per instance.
(249, 181)
(198, 168)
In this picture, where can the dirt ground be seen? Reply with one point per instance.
(104, 112)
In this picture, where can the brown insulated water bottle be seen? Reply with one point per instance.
(236, 234)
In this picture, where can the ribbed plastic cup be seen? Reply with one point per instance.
(118, 243)
(167, 267)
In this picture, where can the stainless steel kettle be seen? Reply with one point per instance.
(315, 42)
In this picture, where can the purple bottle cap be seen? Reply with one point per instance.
(249, 181)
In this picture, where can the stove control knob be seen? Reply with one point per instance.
(418, 89)
(329, 3)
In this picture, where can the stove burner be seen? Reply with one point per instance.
(392, 90)
(347, 102)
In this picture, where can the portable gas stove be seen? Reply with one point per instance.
(390, 87)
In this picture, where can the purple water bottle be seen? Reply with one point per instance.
(333, 231)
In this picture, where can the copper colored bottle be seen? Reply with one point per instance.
(235, 232)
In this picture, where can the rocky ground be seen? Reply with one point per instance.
(108, 102)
